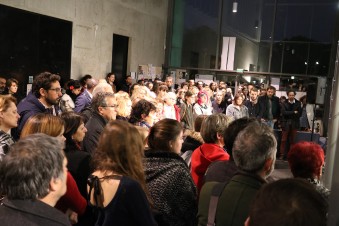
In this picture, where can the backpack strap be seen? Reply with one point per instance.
(212, 210)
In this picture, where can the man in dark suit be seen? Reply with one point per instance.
(269, 107)
(291, 111)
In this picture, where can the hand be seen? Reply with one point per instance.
(72, 216)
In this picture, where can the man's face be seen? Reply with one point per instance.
(291, 96)
(218, 97)
(129, 80)
(2, 83)
(169, 81)
(270, 93)
(253, 95)
(109, 111)
(53, 95)
(191, 99)
(199, 85)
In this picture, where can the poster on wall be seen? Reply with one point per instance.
(149, 72)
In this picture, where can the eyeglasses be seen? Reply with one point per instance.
(111, 106)
(57, 90)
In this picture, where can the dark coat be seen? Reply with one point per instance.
(28, 107)
(30, 213)
(234, 202)
(253, 109)
(79, 166)
(94, 126)
(186, 116)
(289, 117)
(263, 107)
(171, 188)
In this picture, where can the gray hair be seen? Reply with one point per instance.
(100, 100)
(29, 166)
(102, 87)
(253, 146)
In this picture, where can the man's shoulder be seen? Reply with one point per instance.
(28, 212)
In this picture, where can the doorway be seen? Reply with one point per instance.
(119, 57)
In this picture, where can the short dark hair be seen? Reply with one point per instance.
(288, 202)
(162, 132)
(290, 91)
(43, 80)
(10, 81)
(72, 123)
(84, 79)
(271, 87)
(29, 166)
(139, 108)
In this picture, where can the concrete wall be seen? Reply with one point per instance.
(95, 21)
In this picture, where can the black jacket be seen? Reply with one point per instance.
(289, 117)
(263, 107)
(94, 126)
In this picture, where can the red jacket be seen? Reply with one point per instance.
(202, 157)
(72, 199)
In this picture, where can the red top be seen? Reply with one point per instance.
(72, 199)
(202, 157)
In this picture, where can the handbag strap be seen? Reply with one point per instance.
(212, 209)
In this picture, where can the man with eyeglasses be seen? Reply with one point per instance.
(44, 98)
(104, 106)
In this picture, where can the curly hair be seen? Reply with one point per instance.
(305, 159)
(43, 80)
(140, 108)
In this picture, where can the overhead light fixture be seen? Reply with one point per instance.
(317, 63)
(235, 7)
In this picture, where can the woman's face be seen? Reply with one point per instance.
(176, 144)
(111, 78)
(10, 117)
(239, 101)
(61, 135)
(151, 118)
(203, 99)
(80, 133)
(13, 88)
(76, 91)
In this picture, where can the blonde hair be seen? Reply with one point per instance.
(123, 100)
(43, 123)
(5, 102)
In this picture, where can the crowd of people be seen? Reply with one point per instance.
(94, 152)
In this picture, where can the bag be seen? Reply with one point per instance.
(212, 209)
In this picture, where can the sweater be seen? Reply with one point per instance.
(171, 188)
